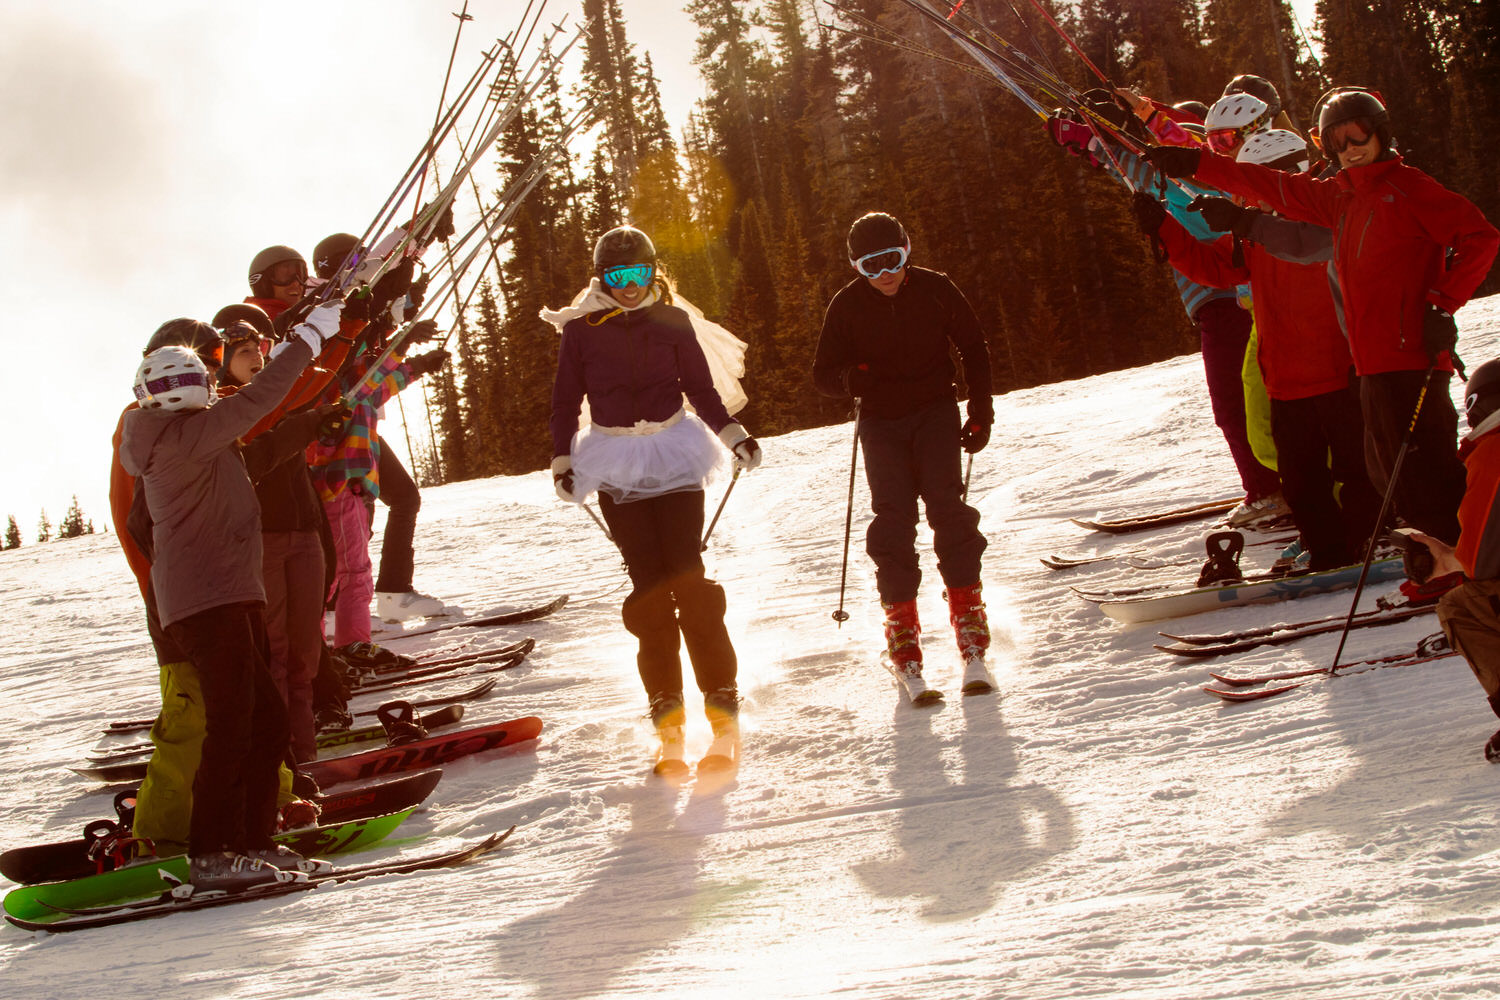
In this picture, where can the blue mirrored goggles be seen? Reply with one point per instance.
(873, 265)
(629, 274)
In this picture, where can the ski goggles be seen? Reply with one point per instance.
(1356, 132)
(873, 265)
(1227, 140)
(626, 275)
(245, 334)
(288, 272)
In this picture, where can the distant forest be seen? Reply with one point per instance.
(808, 122)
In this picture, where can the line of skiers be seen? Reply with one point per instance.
(242, 489)
(1352, 267)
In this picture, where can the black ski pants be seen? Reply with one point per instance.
(398, 491)
(672, 603)
(918, 455)
(246, 735)
(1432, 480)
(1320, 440)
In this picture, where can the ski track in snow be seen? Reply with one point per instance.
(1102, 828)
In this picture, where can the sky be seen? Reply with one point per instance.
(152, 149)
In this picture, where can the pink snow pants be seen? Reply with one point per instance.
(353, 582)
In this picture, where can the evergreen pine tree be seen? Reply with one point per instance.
(12, 534)
(44, 529)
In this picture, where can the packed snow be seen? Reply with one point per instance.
(1099, 828)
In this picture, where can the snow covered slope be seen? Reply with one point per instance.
(1100, 828)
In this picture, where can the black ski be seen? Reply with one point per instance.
(1275, 637)
(1158, 519)
(105, 916)
(1434, 647)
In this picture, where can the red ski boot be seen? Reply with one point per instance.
(971, 627)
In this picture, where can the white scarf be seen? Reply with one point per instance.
(724, 351)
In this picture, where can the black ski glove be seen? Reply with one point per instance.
(1439, 333)
(1149, 214)
(391, 286)
(1174, 161)
(858, 381)
(974, 436)
(332, 419)
(426, 364)
(1223, 215)
(423, 331)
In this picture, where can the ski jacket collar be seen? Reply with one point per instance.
(1354, 178)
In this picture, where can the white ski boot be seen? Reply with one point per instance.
(397, 607)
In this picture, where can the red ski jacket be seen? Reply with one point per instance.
(1478, 514)
(1393, 226)
(1301, 348)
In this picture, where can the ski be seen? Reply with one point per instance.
(1217, 638)
(722, 758)
(144, 877)
(486, 621)
(421, 754)
(478, 691)
(492, 662)
(1133, 608)
(331, 740)
(78, 918)
(1158, 519)
(1136, 558)
(1278, 637)
(913, 685)
(977, 677)
(1434, 647)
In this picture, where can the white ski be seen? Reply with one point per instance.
(977, 676)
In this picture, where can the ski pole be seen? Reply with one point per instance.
(732, 480)
(969, 471)
(590, 511)
(841, 615)
(1385, 507)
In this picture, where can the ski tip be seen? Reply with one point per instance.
(1238, 695)
(927, 698)
(672, 768)
(978, 687)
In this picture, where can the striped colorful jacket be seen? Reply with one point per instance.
(355, 458)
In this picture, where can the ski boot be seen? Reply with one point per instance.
(670, 720)
(971, 627)
(1223, 565)
(903, 651)
(394, 607)
(722, 706)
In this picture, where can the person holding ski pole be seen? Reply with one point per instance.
(634, 354)
(206, 576)
(1408, 253)
(886, 340)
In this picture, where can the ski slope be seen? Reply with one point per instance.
(1101, 828)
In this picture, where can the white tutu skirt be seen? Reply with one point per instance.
(685, 456)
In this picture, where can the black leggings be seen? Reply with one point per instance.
(661, 540)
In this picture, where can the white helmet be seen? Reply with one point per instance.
(172, 378)
(1238, 111)
(1278, 148)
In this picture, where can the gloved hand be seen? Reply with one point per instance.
(1065, 128)
(423, 331)
(1223, 215)
(562, 477)
(333, 418)
(418, 292)
(391, 287)
(1107, 105)
(744, 447)
(357, 307)
(426, 364)
(858, 381)
(1174, 161)
(1439, 332)
(321, 325)
(1149, 213)
(974, 436)
(442, 226)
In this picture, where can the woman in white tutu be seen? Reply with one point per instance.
(635, 356)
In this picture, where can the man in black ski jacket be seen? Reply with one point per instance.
(886, 340)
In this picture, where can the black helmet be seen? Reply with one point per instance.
(245, 312)
(199, 337)
(1343, 104)
(267, 259)
(1482, 392)
(332, 251)
(876, 231)
(623, 245)
(1197, 109)
(1256, 86)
